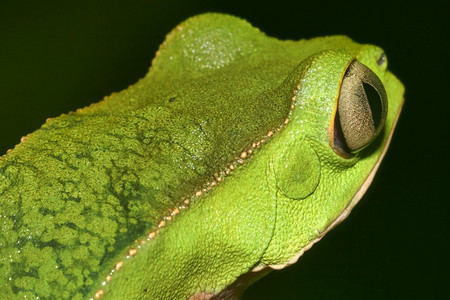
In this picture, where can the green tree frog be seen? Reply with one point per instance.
(229, 159)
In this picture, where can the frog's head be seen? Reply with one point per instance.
(345, 107)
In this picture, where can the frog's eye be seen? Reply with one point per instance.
(361, 110)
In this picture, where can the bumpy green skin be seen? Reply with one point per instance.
(77, 193)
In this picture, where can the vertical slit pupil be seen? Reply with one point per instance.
(374, 102)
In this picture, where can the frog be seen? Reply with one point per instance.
(234, 155)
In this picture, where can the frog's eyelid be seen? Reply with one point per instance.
(361, 110)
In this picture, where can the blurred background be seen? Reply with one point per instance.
(58, 56)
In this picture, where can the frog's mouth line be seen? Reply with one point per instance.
(359, 194)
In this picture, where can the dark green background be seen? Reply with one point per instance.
(56, 57)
